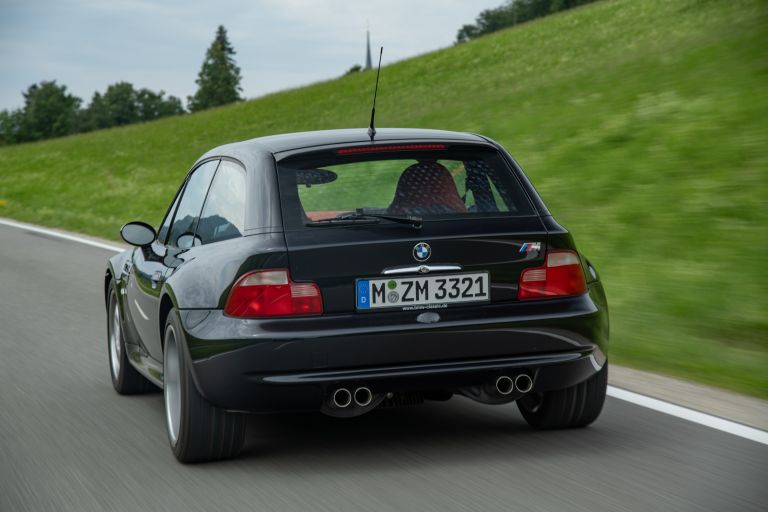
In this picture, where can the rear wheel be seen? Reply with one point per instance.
(573, 407)
(125, 378)
(197, 430)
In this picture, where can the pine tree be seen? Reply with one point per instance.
(219, 80)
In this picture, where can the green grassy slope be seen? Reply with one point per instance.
(642, 124)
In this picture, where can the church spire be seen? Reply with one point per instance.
(368, 64)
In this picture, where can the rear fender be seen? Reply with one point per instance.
(204, 275)
(559, 238)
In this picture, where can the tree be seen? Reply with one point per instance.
(120, 104)
(354, 69)
(49, 111)
(492, 20)
(95, 116)
(117, 106)
(10, 126)
(511, 13)
(152, 105)
(466, 33)
(219, 80)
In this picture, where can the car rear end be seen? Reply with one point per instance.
(414, 269)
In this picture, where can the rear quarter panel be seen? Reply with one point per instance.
(203, 275)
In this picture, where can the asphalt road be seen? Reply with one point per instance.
(69, 442)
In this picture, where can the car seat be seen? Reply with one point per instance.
(426, 188)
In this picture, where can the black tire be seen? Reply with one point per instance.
(125, 378)
(204, 431)
(573, 407)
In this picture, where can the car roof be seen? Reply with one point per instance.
(302, 140)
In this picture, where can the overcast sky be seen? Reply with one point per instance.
(160, 44)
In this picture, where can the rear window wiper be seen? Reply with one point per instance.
(341, 222)
(362, 217)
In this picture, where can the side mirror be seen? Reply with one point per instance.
(139, 234)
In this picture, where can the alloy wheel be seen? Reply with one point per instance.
(172, 385)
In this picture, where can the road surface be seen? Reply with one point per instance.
(69, 442)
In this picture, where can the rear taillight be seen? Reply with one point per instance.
(266, 293)
(561, 276)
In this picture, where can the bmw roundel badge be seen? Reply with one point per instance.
(422, 251)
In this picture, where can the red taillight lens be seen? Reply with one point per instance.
(561, 276)
(266, 293)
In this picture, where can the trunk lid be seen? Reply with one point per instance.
(472, 212)
(335, 257)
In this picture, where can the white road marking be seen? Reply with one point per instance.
(64, 236)
(700, 418)
(731, 427)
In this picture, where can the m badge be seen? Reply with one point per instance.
(530, 246)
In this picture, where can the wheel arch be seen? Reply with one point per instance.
(113, 272)
(108, 278)
(166, 305)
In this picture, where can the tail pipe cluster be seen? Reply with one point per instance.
(506, 385)
(344, 397)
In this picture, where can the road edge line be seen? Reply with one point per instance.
(678, 411)
(57, 234)
(701, 418)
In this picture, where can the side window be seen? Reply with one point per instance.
(188, 212)
(162, 233)
(223, 215)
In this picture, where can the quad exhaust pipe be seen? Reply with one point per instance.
(500, 389)
(348, 402)
(505, 385)
(343, 397)
(363, 396)
(523, 383)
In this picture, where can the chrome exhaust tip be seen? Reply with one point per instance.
(363, 396)
(523, 383)
(504, 385)
(341, 398)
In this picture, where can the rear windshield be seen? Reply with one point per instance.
(432, 185)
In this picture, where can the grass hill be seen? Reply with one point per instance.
(644, 125)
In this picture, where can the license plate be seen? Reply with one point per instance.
(422, 292)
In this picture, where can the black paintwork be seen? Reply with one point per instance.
(290, 363)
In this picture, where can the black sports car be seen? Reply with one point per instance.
(327, 271)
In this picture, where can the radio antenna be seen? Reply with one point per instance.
(372, 128)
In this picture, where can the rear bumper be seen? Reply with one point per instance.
(290, 364)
